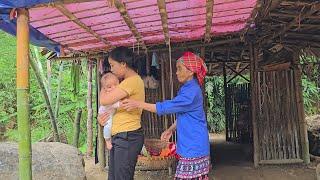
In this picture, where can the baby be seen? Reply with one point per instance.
(108, 82)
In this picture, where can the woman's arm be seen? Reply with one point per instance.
(181, 103)
(112, 97)
(130, 104)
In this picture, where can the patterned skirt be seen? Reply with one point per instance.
(193, 168)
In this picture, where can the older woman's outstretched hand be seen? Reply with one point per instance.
(130, 104)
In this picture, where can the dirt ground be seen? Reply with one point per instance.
(230, 162)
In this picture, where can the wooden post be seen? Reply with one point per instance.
(76, 128)
(225, 86)
(90, 112)
(25, 153)
(253, 79)
(101, 141)
(302, 121)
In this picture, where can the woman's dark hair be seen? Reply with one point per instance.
(124, 55)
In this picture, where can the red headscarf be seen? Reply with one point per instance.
(195, 64)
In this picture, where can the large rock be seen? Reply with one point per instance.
(50, 160)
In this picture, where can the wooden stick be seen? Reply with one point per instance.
(124, 13)
(225, 101)
(90, 112)
(76, 128)
(209, 14)
(164, 19)
(74, 19)
(101, 141)
(314, 8)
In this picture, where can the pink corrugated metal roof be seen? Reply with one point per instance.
(186, 22)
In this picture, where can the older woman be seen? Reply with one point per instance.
(127, 136)
(191, 125)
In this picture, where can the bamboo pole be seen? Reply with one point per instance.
(39, 65)
(49, 80)
(300, 108)
(164, 19)
(101, 141)
(253, 67)
(77, 21)
(56, 112)
(209, 14)
(90, 112)
(225, 101)
(76, 129)
(46, 98)
(25, 153)
(127, 19)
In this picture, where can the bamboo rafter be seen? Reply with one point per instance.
(124, 13)
(74, 19)
(164, 19)
(209, 14)
(313, 9)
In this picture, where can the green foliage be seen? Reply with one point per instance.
(72, 96)
(311, 84)
(215, 112)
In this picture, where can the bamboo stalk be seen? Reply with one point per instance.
(47, 99)
(225, 101)
(25, 157)
(39, 65)
(164, 19)
(101, 142)
(209, 14)
(76, 128)
(49, 72)
(56, 113)
(90, 112)
(74, 19)
(125, 15)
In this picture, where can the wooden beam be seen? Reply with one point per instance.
(65, 2)
(209, 14)
(197, 44)
(74, 19)
(164, 20)
(124, 13)
(277, 14)
(313, 9)
(303, 36)
(63, 58)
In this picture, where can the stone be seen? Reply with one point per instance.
(50, 161)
